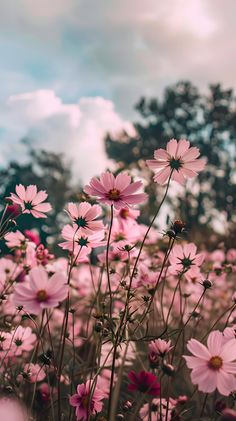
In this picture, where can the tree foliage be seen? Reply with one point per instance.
(209, 122)
(49, 172)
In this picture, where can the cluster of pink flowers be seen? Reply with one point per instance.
(127, 322)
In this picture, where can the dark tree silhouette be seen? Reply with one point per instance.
(49, 172)
(209, 122)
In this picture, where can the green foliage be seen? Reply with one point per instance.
(209, 122)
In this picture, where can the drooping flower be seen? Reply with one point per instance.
(40, 291)
(31, 201)
(160, 347)
(84, 216)
(179, 160)
(144, 382)
(212, 366)
(118, 191)
(185, 259)
(86, 402)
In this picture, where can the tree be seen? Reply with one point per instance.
(49, 172)
(209, 122)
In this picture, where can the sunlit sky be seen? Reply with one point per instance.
(73, 69)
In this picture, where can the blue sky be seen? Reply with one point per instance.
(65, 54)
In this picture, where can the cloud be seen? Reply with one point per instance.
(77, 130)
(117, 49)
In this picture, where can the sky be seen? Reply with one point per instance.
(71, 70)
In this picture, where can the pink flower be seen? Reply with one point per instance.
(31, 200)
(184, 259)
(83, 216)
(212, 366)
(79, 242)
(22, 339)
(15, 239)
(156, 411)
(160, 347)
(178, 160)
(40, 292)
(34, 372)
(144, 382)
(33, 236)
(87, 403)
(118, 191)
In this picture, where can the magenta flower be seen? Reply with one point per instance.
(185, 259)
(85, 404)
(179, 159)
(144, 382)
(212, 366)
(83, 216)
(118, 191)
(31, 201)
(40, 292)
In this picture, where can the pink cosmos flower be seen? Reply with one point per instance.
(184, 259)
(15, 239)
(144, 382)
(212, 366)
(82, 399)
(178, 160)
(78, 242)
(34, 372)
(22, 339)
(40, 291)
(33, 236)
(160, 347)
(83, 216)
(118, 191)
(156, 411)
(31, 201)
(12, 409)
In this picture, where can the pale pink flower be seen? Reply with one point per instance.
(84, 216)
(34, 372)
(185, 259)
(22, 339)
(118, 191)
(79, 242)
(15, 239)
(12, 409)
(212, 365)
(86, 402)
(160, 347)
(40, 292)
(156, 410)
(31, 201)
(179, 160)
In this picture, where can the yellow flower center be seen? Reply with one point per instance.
(114, 194)
(215, 363)
(42, 295)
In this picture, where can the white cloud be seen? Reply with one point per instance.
(77, 130)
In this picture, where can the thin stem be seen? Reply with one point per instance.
(107, 262)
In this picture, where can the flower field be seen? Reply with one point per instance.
(127, 322)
